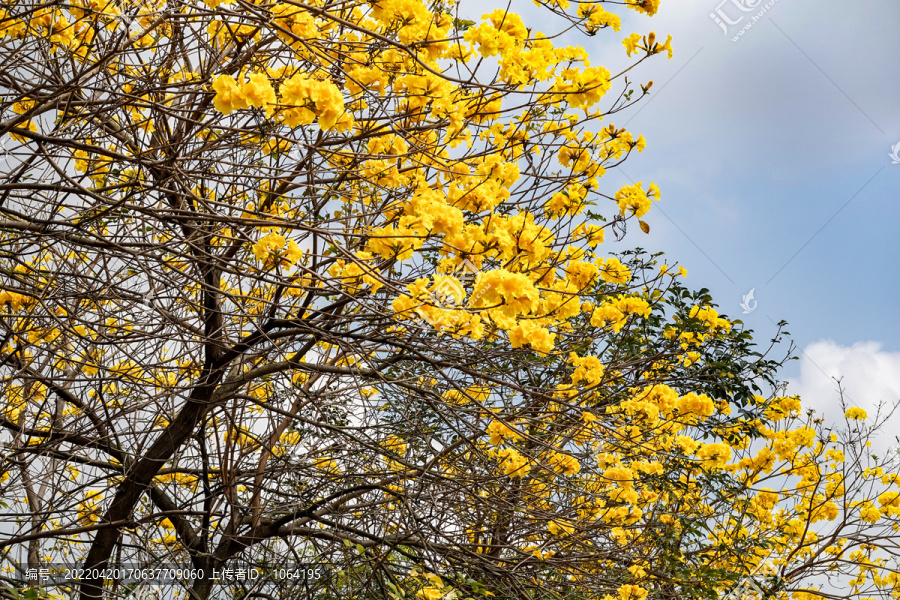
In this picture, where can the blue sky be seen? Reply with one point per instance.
(772, 153)
(764, 148)
(773, 156)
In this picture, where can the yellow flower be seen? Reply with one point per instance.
(857, 414)
(666, 47)
(632, 592)
(593, 234)
(430, 593)
(631, 43)
(23, 106)
(72, 472)
(530, 332)
(588, 369)
(648, 7)
(395, 445)
(304, 99)
(508, 294)
(504, 33)
(293, 253)
(512, 462)
(890, 499)
(288, 439)
(608, 315)
(326, 464)
(716, 455)
(582, 88)
(693, 405)
(560, 526)
(295, 25)
(258, 92)
(613, 271)
(633, 305)
(29, 125)
(870, 513)
(500, 431)
(634, 200)
(88, 511)
(268, 244)
(597, 17)
(563, 463)
(620, 475)
(228, 95)
(582, 273)
(391, 242)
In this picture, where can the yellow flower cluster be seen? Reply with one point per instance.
(856, 414)
(272, 250)
(356, 273)
(648, 7)
(13, 301)
(598, 18)
(532, 332)
(394, 242)
(563, 463)
(88, 510)
(692, 406)
(395, 445)
(613, 271)
(710, 317)
(614, 313)
(560, 527)
(582, 88)
(633, 200)
(505, 295)
(296, 26)
(413, 22)
(184, 479)
(632, 592)
(303, 100)
(648, 44)
(588, 370)
(288, 440)
(512, 462)
(500, 431)
(505, 32)
(716, 454)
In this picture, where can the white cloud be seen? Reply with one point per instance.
(868, 375)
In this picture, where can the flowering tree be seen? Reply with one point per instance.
(321, 283)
